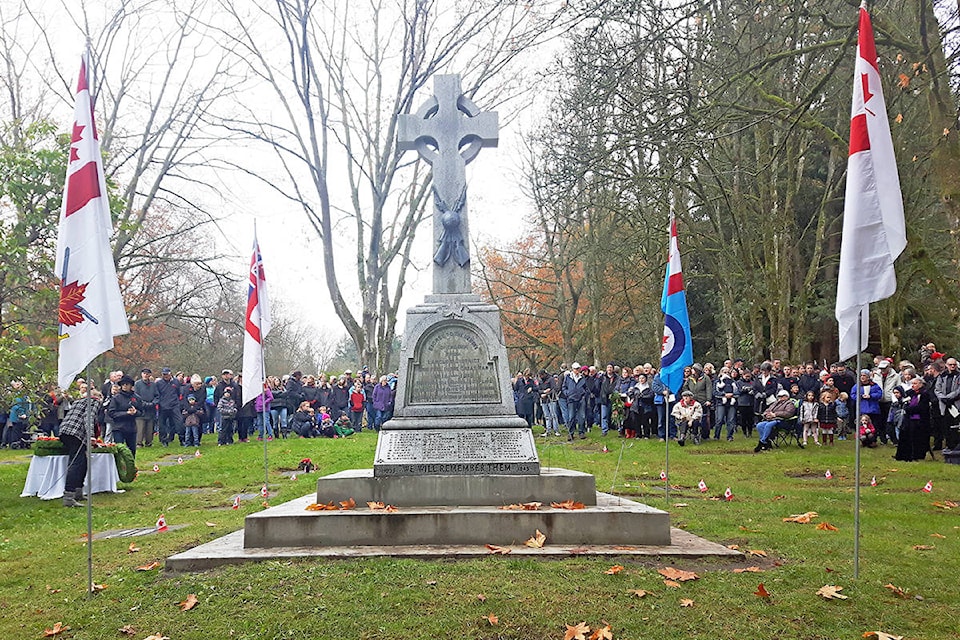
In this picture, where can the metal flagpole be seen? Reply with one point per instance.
(666, 442)
(263, 416)
(88, 421)
(856, 491)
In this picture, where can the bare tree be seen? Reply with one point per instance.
(341, 74)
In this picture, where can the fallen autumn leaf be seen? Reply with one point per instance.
(189, 603)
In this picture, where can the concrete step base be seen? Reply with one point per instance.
(230, 549)
(551, 485)
(611, 521)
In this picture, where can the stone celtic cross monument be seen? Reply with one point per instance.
(454, 410)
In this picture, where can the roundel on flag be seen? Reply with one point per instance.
(674, 341)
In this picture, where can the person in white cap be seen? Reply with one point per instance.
(782, 409)
(575, 391)
(887, 379)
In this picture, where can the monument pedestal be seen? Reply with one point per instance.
(454, 413)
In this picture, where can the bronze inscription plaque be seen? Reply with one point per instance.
(451, 365)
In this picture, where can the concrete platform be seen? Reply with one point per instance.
(230, 550)
(551, 485)
(611, 521)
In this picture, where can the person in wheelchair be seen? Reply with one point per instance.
(688, 414)
(783, 409)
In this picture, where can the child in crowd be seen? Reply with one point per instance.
(342, 427)
(356, 407)
(228, 418)
(827, 414)
(192, 420)
(868, 433)
(809, 410)
(895, 418)
(843, 414)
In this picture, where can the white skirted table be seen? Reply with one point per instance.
(48, 476)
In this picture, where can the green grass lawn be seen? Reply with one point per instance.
(43, 554)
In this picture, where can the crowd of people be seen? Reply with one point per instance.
(176, 408)
(915, 407)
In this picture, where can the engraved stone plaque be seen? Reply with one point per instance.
(456, 452)
(452, 366)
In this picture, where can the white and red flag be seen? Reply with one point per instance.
(873, 481)
(90, 313)
(828, 475)
(264, 492)
(663, 476)
(728, 494)
(257, 326)
(927, 488)
(874, 232)
(702, 486)
(156, 468)
(236, 502)
(161, 523)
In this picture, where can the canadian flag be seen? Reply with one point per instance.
(293, 477)
(828, 475)
(702, 486)
(257, 326)
(927, 488)
(156, 468)
(161, 523)
(264, 492)
(90, 313)
(236, 502)
(179, 459)
(728, 494)
(874, 232)
(663, 476)
(873, 481)
(197, 454)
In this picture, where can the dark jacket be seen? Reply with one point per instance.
(118, 410)
(168, 394)
(575, 389)
(608, 385)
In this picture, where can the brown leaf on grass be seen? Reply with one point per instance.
(570, 505)
(210, 524)
(802, 518)
(826, 526)
(58, 628)
(481, 597)
(497, 549)
(897, 591)
(536, 542)
(679, 575)
(639, 593)
(775, 498)
(189, 603)
(133, 548)
(762, 592)
(753, 569)
(624, 547)
(348, 504)
(614, 570)
(127, 629)
(686, 602)
(672, 584)
(602, 633)
(743, 528)
(880, 635)
(946, 504)
(576, 632)
(923, 547)
(735, 547)
(157, 636)
(376, 506)
(760, 553)
(831, 592)
(937, 535)
(97, 588)
(52, 590)
(148, 567)
(492, 619)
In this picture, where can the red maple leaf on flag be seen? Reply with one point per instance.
(71, 295)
